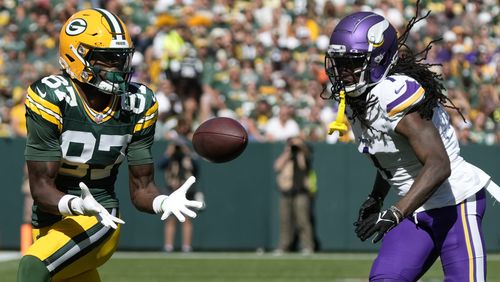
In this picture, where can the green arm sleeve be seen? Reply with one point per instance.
(139, 150)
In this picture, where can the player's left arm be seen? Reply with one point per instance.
(141, 169)
(143, 190)
(427, 145)
(146, 197)
(144, 193)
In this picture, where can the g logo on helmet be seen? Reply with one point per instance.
(76, 26)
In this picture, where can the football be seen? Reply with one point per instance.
(220, 139)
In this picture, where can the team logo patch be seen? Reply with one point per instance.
(76, 26)
(99, 117)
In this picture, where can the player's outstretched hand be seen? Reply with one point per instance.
(87, 205)
(177, 203)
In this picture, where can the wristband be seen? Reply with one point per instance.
(157, 202)
(64, 205)
(397, 213)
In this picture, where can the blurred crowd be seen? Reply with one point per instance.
(259, 61)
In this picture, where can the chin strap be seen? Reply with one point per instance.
(339, 123)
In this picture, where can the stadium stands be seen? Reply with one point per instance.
(224, 57)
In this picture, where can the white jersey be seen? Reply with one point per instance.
(392, 154)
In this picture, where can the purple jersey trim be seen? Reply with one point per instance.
(411, 88)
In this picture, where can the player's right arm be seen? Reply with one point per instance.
(42, 175)
(42, 153)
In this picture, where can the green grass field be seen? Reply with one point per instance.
(242, 267)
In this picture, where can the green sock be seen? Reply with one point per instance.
(31, 269)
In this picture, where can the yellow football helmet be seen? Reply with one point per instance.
(95, 48)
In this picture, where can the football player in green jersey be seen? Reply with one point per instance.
(82, 124)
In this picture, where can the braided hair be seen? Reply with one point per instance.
(413, 65)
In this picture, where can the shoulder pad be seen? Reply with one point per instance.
(139, 88)
(47, 96)
(142, 102)
(144, 98)
(43, 89)
(56, 89)
(398, 93)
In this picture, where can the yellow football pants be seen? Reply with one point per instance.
(73, 248)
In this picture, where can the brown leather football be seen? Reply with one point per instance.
(220, 139)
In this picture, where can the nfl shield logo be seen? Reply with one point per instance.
(98, 118)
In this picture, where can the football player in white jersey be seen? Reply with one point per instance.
(395, 107)
(82, 124)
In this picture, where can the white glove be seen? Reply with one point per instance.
(87, 205)
(177, 203)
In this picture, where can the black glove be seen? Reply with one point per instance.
(380, 223)
(372, 205)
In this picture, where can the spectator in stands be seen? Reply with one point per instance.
(169, 108)
(282, 126)
(313, 128)
(17, 114)
(270, 41)
(259, 117)
(445, 54)
(482, 130)
(234, 92)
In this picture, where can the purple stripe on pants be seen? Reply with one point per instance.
(410, 249)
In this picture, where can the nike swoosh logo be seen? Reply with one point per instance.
(42, 94)
(399, 90)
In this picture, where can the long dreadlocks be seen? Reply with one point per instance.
(413, 65)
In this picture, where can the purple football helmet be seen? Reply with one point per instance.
(363, 47)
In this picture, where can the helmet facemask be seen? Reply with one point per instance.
(363, 48)
(95, 48)
(108, 69)
(347, 71)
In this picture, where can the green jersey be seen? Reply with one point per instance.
(89, 145)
